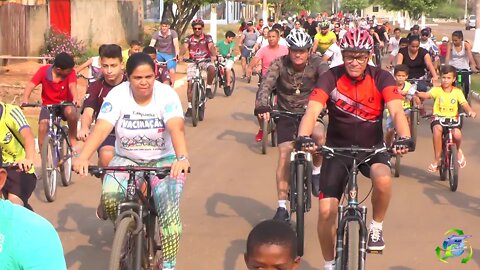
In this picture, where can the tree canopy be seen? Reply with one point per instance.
(415, 8)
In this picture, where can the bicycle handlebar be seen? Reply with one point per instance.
(188, 60)
(31, 105)
(79, 75)
(38, 104)
(161, 172)
(454, 121)
(7, 166)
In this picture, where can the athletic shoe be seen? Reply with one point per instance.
(188, 113)
(281, 215)
(259, 136)
(375, 239)
(209, 93)
(329, 267)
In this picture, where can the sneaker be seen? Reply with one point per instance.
(281, 215)
(375, 240)
(259, 135)
(244, 77)
(315, 184)
(227, 88)
(329, 267)
(188, 113)
(209, 93)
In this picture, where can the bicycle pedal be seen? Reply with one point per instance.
(376, 252)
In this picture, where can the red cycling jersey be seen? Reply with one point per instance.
(53, 92)
(355, 106)
(198, 49)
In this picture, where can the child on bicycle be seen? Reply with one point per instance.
(447, 100)
(225, 48)
(272, 244)
(401, 74)
(162, 74)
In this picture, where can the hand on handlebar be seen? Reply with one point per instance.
(402, 146)
(265, 116)
(25, 164)
(305, 143)
(472, 114)
(179, 167)
(82, 134)
(80, 166)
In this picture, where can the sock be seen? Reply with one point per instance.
(316, 170)
(190, 105)
(378, 225)
(210, 86)
(282, 203)
(329, 263)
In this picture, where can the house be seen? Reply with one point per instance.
(25, 22)
(379, 12)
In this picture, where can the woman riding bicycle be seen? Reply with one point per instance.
(149, 129)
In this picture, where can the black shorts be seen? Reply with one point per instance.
(286, 129)
(334, 173)
(44, 113)
(20, 184)
(109, 141)
(437, 122)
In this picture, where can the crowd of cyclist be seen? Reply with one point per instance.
(313, 64)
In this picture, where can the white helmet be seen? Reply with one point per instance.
(299, 40)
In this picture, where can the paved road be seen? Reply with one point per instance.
(231, 188)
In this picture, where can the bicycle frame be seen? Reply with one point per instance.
(54, 120)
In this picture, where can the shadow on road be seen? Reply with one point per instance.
(245, 138)
(77, 218)
(241, 116)
(419, 174)
(469, 204)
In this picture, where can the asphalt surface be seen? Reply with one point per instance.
(232, 187)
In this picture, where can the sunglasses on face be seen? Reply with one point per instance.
(350, 58)
(197, 28)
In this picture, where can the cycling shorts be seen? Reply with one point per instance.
(20, 184)
(437, 122)
(334, 173)
(109, 141)
(163, 57)
(44, 113)
(287, 129)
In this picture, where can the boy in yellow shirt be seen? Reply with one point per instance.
(447, 98)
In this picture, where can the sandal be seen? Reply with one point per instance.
(433, 167)
(462, 162)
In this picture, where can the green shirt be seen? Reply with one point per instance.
(27, 240)
(225, 48)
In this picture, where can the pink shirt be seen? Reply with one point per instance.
(267, 55)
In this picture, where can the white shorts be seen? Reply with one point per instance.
(191, 68)
(228, 64)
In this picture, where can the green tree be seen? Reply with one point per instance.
(415, 8)
(354, 5)
(181, 16)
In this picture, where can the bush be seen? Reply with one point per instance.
(57, 42)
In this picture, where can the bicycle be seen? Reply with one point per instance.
(56, 150)
(164, 64)
(449, 154)
(220, 77)
(377, 56)
(351, 242)
(464, 84)
(415, 109)
(198, 92)
(251, 54)
(135, 244)
(269, 126)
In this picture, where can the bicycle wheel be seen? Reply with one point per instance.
(216, 81)
(453, 168)
(154, 254)
(49, 171)
(396, 168)
(66, 167)
(195, 103)
(443, 165)
(265, 136)
(352, 243)
(300, 211)
(123, 248)
(232, 84)
(273, 133)
(413, 126)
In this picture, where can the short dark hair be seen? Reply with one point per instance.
(111, 51)
(272, 232)
(401, 68)
(135, 43)
(403, 41)
(165, 21)
(396, 29)
(101, 48)
(138, 59)
(413, 38)
(416, 27)
(445, 69)
(149, 50)
(229, 34)
(63, 60)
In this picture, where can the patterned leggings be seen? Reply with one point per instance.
(166, 195)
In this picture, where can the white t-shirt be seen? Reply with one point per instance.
(394, 44)
(95, 70)
(263, 41)
(141, 133)
(335, 54)
(283, 42)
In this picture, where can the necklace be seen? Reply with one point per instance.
(298, 85)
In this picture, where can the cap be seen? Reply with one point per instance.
(424, 32)
(444, 38)
(249, 23)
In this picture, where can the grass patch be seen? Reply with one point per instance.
(475, 83)
(33, 122)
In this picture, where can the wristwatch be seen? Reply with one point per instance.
(182, 157)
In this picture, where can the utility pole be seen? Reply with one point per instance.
(265, 11)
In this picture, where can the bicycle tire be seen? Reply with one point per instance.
(443, 165)
(273, 133)
(66, 167)
(353, 240)
(216, 81)
(49, 173)
(201, 112)
(123, 233)
(453, 168)
(396, 168)
(195, 103)
(414, 127)
(300, 211)
(153, 252)
(232, 84)
(265, 137)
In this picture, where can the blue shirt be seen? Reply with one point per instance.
(27, 240)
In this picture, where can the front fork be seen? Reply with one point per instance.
(297, 157)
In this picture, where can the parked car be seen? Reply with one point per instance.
(470, 22)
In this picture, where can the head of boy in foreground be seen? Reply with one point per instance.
(272, 245)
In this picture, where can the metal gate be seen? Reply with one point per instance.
(13, 29)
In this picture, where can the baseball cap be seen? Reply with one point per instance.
(444, 38)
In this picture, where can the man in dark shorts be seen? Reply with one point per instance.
(355, 95)
(59, 84)
(112, 75)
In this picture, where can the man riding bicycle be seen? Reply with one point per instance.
(293, 76)
(199, 46)
(354, 94)
(247, 41)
